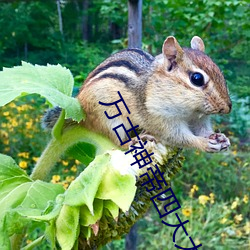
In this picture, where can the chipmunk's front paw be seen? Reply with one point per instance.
(217, 142)
(147, 137)
(143, 137)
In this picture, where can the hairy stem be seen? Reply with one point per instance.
(52, 153)
(57, 147)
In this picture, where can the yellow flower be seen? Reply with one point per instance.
(4, 134)
(238, 233)
(24, 154)
(247, 228)
(235, 203)
(192, 190)
(197, 242)
(234, 152)
(211, 195)
(197, 152)
(77, 162)
(73, 168)
(245, 199)
(55, 178)
(23, 164)
(223, 220)
(6, 113)
(203, 199)
(187, 211)
(70, 178)
(14, 123)
(65, 163)
(223, 235)
(19, 108)
(65, 185)
(6, 149)
(12, 105)
(23, 107)
(238, 218)
(35, 159)
(6, 141)
(29, 124)
(224, 164)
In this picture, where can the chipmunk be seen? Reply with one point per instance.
(170, 96)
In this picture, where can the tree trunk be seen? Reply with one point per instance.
(59, 16)
(134, 41)
(135, 23)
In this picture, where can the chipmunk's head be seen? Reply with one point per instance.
(194, 76)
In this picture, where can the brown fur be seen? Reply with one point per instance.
(159, 94)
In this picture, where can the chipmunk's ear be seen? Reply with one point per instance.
(171, 49)
(197, 43)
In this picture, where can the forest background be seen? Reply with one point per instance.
(213, 189)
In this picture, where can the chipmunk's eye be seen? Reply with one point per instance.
(197, 79)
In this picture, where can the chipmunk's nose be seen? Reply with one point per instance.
(227, 108)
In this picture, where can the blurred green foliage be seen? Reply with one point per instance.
(30, 32)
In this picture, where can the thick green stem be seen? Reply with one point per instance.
(57, 147)
(54, 150)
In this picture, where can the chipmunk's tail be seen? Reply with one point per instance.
(50, 117)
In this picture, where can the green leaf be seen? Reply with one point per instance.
(13, 223)
(83, 189)
(86, 231)
(20, 198)
(6, 186)
(118, 188)
(112, 208)
(34, 243)
(86, 218)
(103, 180)
(83, 152)
(11, 200)
(4, 240)
(53, 82)
(50, 234)
(9, 168)
(39, 194)
(14, 198)
(14, 184)
(67, 226)
(46, 216)
(26, 202)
